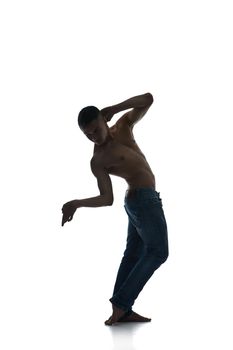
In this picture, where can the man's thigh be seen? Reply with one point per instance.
(153, 227)
(134, 243)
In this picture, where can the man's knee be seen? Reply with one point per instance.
(158, 254)
(164, 256)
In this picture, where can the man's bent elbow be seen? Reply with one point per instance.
(149, 98)
(108, 201)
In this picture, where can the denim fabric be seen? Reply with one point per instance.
(146, 247)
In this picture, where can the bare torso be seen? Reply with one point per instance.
(122, 157)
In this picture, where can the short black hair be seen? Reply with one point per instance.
(86, 115)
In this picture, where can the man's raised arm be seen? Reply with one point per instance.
(139, 103)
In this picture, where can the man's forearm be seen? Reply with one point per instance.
(133, 102)
(98, 201)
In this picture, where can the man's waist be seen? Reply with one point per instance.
(134, 190)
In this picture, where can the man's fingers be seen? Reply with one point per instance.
(64, 219)
(70, 218)
(68, 213)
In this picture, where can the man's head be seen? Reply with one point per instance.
(93, 124)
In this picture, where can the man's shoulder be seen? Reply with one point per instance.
(99, 165)
(102, 159)
(97, 160)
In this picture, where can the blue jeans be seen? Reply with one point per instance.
(146, 248)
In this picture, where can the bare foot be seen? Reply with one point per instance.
(134, 317)
(116, 315)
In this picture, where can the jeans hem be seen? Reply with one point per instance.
(119, 305)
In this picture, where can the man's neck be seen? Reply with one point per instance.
(108, 139)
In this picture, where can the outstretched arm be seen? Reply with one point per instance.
(140, 105)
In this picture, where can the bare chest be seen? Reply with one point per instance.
(122, 156)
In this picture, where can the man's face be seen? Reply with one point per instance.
(96, 131)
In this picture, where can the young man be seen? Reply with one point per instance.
(117, 153)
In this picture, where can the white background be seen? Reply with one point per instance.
(58, 57)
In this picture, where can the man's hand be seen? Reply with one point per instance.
(68, 210)
(107, 113)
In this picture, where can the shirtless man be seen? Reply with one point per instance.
(117, 153)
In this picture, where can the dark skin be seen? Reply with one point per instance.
(115, 153)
